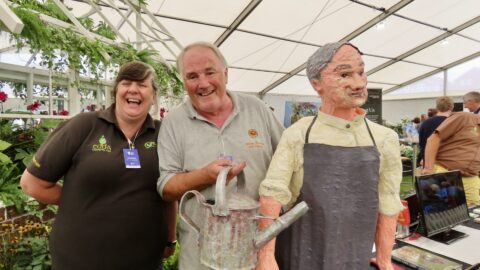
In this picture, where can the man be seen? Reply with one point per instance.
(455, 145)
(423, 117)
(444, 108)
(346, 168)
(198, 137)
(431, 112)
(471, 101)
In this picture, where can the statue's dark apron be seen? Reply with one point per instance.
(341, 188)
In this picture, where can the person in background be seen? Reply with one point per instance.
(471, 101)
(423, 117)
(455, 145)
(202, 135)
(416, 122)
(432, 112)
(444, 107)
(411, 129)
(345, 167)
(110, 215)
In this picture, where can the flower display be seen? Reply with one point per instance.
(63, 112)
(3, 96)
(34, 106)
(162, 112)
(406, 151)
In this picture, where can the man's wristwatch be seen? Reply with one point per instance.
(172, 244)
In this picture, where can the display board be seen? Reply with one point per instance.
(373, 106)
(297, 110)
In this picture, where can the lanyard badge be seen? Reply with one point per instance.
(132, 160)
(130, 155)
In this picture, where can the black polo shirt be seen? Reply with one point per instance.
(110, 217)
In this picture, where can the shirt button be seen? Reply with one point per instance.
(347, 126)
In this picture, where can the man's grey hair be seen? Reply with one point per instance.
(472, 96)
(320, 58)
(203, 44)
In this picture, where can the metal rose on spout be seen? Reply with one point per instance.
(228, 237)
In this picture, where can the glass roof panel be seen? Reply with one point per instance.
(443, 53)
(187, 33)
(464, 77)
(212, 11)
(472, 31)
(331, 20)
(394, 38)
(244, 80)
(432, 84)
(443, 13)
(399, 73)
(247, 50)
(296, 85)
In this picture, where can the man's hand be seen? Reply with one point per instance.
(199, 179)
(168, 251)
(212, 169)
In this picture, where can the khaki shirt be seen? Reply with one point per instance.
(285, 175)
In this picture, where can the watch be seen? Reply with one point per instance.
(172, 244)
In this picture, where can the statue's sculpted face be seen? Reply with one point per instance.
(343, 82)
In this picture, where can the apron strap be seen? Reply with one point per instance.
(370, 132)
(309, 128)
(307, 134)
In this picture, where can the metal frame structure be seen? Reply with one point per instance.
(146, 28)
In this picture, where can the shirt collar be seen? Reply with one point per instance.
(109, 116)
(342, 123)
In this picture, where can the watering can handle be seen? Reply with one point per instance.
(220, 208)
(241, 182)
(183, 214)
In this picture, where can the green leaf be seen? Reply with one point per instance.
(4, 145)
(4, 158)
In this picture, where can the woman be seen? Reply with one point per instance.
(110, 215)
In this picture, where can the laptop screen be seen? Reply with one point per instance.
(442, 201)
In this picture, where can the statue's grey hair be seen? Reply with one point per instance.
(320, 58)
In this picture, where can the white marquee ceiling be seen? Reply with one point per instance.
(266, 43)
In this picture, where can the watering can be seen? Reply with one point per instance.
(228, 237)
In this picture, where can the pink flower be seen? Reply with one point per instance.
(3, 96)
(64, 112)
(162, 112)
(34, 106)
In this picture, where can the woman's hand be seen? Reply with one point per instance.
(169, 250)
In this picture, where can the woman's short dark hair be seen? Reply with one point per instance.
(135, 71)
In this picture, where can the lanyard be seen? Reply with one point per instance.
(131, 144)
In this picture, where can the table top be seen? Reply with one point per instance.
(464, 249)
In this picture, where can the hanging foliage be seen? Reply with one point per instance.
(60, 48)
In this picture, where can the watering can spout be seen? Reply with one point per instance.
(280, 224)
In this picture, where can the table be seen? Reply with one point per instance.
(465, 250)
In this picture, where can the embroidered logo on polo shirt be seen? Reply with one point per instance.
(102, 145)
(254, 144)
(150, 144)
